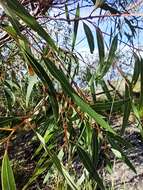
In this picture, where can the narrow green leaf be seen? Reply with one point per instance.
(76, 23)
(141, 86)
(95, 146)
(112, 50)
(127, 161)
(47, 137)
(89, 37)
(7, 177)
(11, 31)
(4, 121)
(69, 180)
(136, 69)
(38, 171)
(93, 92)
(39, 70)
(60, 76)
(86, 160)
(111, 56)
(137, 115)
(127, 108)
(119, 140)
(71, 92)
(117, 153)
(100, 44)
(106, 90)
(131, 27)
(115, 146)
(98, 118)
(58, 164)
(104, 106)
(32, 82)
(67, 13)
(15, 8)
(10, 97)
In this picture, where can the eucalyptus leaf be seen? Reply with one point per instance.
(89, 37)
(76, 23)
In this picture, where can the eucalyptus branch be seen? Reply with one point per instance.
(90, 17)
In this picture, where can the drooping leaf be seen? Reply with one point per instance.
(10, 97)
(127, 108)
(95, 147)
(111, 56)
(67, 13)
(76, 23)
(141, 86)
(39, 70)
(100, 44)
(118, 139)
(47, 136)
(120, 153)
(15, 8)
(98, 118)
(131, 27)
(71, 92)
(37, 172)
(61, 77)
(89, 37)
(58, 164)
(11, 31)
(137, 67)
(86, 160)
(112, 50)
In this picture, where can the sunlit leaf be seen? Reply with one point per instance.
(32, 81)
(15, 8)
(117, 153)
(7, 177)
